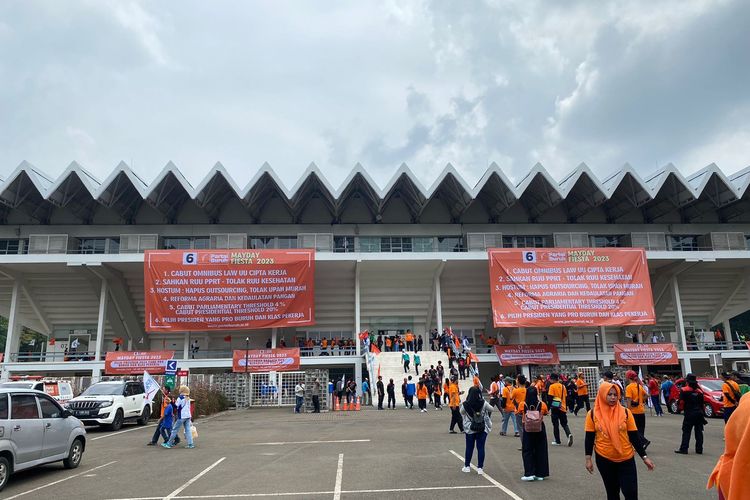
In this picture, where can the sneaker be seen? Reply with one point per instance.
(516, 435)
(480, 471)
(466, 469)
(452, 432)
(527, 478)
(166, 445)
(502, 434)
(570, 440)
(681, 452)
(555, 443)
(537, 478)
(150, 444)
(190, 446)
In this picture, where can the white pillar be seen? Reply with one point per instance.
(603, 338)
(686, 366)
(679, 322)
(727, 333)
(95, 372)
(274, 336)
(357, 329)
(438, 305)
(12, 338)
(526, 371)
(521, 335)
(186, 347)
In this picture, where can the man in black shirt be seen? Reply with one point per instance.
(381, 392)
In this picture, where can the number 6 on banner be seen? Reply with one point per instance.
(529, 257)
(189, 258)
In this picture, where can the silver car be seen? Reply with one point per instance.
(35, 430)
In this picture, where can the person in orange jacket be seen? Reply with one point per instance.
(730, 474)
(422, 394)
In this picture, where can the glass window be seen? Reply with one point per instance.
(261, 242)
(4, 406)
(422, 244)
(684, 243)
(92, 245)
(369, 244)
(450, 243)
(395, 244)
(201, 243)
(9, 246)
(114, 245)
(177, 243)
(507, 241)
(49, 408)
(23, 407)
(343, 244)
(605, 241)
(531, 241)
(286, 242)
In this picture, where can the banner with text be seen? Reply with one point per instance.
(537, 287)
(135, 362)
(265, 360)
(646, 354)
(199, 290)
(527, 354)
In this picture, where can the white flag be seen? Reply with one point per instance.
(151, 386)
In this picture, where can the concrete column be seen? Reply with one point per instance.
(686, 366)
(95, 372)
(603, 338)
(679, 322)
(12, 339)
(438, 305)
(274, 336)
(727, 333)
(521, 335)
(186, 347)
(358, 375)
(526, 371)
(357, 329)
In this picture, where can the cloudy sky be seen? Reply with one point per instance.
(380, 83)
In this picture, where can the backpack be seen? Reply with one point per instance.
(477, 421)
(532, 420)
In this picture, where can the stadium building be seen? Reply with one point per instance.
(388, 259)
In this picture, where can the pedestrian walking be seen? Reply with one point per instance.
(417, 362)
(422, 395)
(411, 391)
(403, 393)
(454, 402)
(654, 391)
(730, 474)
(691, 403)
(476, 414)
(381, 392)
(666, 389)
(508, 408)
(518, 395)
(635, 397)
(582, 394)
(366, 394)
(534, 441)
(557, 399)
(184, 419)
(437, 394)
(446, 386)
(165, 424)
(611, 433)
(731, 391)
(405, 359)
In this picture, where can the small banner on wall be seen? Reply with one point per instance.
(540, 287)
(527, 354)
(200, 290)
(265, 360)
(645, 354)
(135, 362)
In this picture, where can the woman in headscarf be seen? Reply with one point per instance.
(476, 413)
(534, 444)
(612, 433)
(730, 473)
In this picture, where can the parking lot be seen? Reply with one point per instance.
(367, 454)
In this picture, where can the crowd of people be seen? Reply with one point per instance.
(175, 416)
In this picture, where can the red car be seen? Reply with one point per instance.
(713, 400)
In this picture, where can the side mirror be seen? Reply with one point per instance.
(65, 414)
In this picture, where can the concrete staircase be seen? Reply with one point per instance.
(391, 367)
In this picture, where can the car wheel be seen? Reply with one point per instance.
(145, 415)
(75, 455)
(708, 410)
(674, 406)
(117, 422)
(4, 472)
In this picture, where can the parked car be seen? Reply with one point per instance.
(111, 404)
(59, 390)
(35, 430)
(713, 400)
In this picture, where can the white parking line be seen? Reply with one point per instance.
(497, 484)
(123, 432)
(339, 477)
(60, 480)
(279, 443)
(200, 475)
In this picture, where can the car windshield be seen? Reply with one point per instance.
(104, 390)
(711, 385)
(17, 385)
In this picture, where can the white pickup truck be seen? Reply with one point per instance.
(111, 404)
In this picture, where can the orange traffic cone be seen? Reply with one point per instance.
(345, 407)
(337, 404)
(358, 406)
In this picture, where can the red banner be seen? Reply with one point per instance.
(527, 354)
(265, 360)
(533, 287)
(645, 354)
(199, 290)
(134, 362)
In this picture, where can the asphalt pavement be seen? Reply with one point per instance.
(264, 453)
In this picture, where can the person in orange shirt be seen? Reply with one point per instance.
(446, 386)
(635, 399)
(611, 433)
(556, 398)
(422, 395)
(518, 395)
(583, 394)
(534, 444)
(508, 408)
(454, 402)
(731, 391)
(730, 474)
(409, 340)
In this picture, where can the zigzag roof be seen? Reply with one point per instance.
(580, 188)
